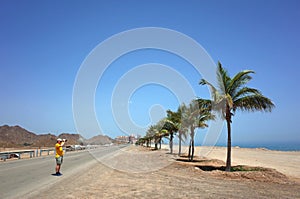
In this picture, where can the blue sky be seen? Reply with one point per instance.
(43, 45)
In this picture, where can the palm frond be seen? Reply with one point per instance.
(204, 103)
(254, 103)
(244, 92)
(223, 79)
(213, 90)
(239, 80)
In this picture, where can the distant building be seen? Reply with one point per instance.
(127, 139)
(122, 139)
(132, 139)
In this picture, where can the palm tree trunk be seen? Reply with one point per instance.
(193, 146)
(171, 142)
(228, 160)
(179, 149)
(190, 146)
(160, 143)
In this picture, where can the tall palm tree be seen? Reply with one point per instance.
(172, 128)
(182, 130)
(195, 116)
(233, 95)
(150, 135)
(182, 136)
(162, 133)
(175, 118)
(159, 133)
(155, 132)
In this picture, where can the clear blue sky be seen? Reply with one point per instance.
(43, 44)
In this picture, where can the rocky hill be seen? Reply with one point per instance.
(73, 138)
(99, 140)
(16, 136)
(44, 140)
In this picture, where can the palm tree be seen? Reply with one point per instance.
(171, 128)
(159, 133)
(157, 138)
(155, 132)
(233, 95)
(180, 117)
(175, 117)
(195, 116)
(182, 130)
(151, 134)
(182, 136)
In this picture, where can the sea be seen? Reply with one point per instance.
(277, 146)
(269, 146)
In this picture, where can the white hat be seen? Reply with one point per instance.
(59, 139)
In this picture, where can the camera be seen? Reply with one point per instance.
(65, 140)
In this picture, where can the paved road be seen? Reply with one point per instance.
(24, 177)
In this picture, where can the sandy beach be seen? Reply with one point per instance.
(185, 180)
(286, 162)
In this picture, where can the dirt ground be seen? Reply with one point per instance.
(180, 179)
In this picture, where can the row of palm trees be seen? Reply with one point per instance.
(230, 95)
(183, 122)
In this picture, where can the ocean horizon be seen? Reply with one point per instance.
(276, 146)
(269, 146)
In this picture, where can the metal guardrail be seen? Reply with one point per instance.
(40, 152)
(46, 150)
(32, 153)
(7, 155)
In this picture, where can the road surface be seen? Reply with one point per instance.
(21, 178)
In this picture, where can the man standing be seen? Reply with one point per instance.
(59, 155)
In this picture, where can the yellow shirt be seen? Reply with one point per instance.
(59, 150)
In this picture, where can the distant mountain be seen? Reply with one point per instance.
(45, 140)
(73, 138)
(99, 140)
(12, 136)
(16, 136)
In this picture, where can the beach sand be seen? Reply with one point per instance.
(182, 179)
(286, 162)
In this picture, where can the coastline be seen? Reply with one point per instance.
(267, 146)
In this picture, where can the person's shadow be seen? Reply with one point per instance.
(54, 174)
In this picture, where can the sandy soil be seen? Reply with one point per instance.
(182, 179)
(286, 162)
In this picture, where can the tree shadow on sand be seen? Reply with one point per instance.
(233, 168)
(216, 168)
(214, 164)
